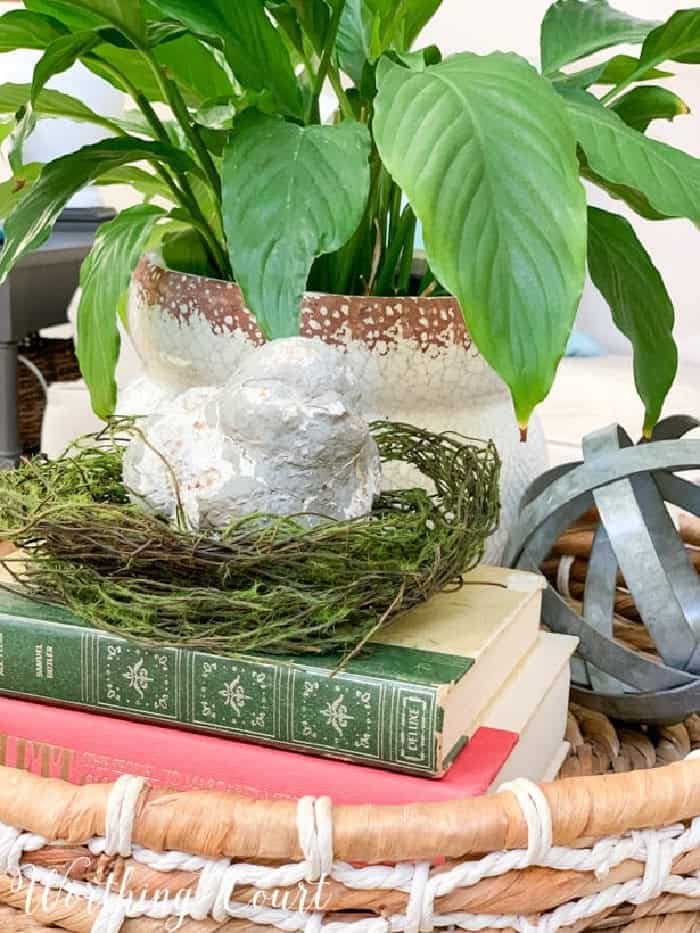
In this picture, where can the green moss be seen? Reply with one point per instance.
(265, 582)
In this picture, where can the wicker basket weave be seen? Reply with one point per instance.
(55, 361)
(583, 853)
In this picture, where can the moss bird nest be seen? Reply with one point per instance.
(263, 583)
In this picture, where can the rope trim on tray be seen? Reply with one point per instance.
(656, 849)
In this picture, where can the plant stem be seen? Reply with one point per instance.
(182, 193)
(172, 95)
(406, 264)
(343, 100)
(400, 240)
(181, 113)
(323, 68)
(618, 89)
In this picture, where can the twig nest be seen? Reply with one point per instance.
(283, 436)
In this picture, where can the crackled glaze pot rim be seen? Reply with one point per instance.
(428, 320)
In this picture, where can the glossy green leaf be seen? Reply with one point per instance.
(23, 29)
(668, 178)
(314, 17)
(625, 275)
(678, 39)
(30, 225)
(615, 71)
(61, 55)
(194, 67)
(370, 27)
(146, 183)
(14, 189)
(631, 196)
(104, 277)
(184, 251)
(354, 39)
(125, 15)
(411, 17)
(254, 50)
(290, 193)
(573, 29)
(48, 103)
(503, 223)
(648, 102)
(188, 60)
(72, 15)
(24, 127)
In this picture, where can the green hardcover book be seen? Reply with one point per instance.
(409, 704)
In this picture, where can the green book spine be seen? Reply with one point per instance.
(348, 715)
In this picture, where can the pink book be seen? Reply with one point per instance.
(84, 748)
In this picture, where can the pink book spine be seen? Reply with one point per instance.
(82, 748)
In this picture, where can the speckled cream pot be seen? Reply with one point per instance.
(413, 358)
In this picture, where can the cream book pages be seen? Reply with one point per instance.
(534, 704)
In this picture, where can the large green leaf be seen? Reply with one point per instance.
(614, 71)
(668, 178)
(678, 39)
(314, 17)
(31, 223)
(412, 16)
(354, 39)
(486, 156)
(648, 102)
(183, 251)
(72, 15)
(254, 50)
(290, 193)
(104, 277)
(572, 29)
(631, 196)
(195, 68)
(144, 182)
(125, 15)
(23, 29)
(370, 27)
(14, 189)
(193, 65)
(189, 62)
(61, 55)
(625, 275)
(48, 103)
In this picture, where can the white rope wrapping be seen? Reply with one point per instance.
(315, 828)
(13, 845)
(537, 815)
(120, 815)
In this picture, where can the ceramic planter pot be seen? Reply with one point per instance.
(413, 359)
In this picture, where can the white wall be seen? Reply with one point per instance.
(513, 25)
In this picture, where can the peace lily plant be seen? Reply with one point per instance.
(487, 152)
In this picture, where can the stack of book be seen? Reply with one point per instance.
(464, 690)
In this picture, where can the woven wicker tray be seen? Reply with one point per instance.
(595, 852)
